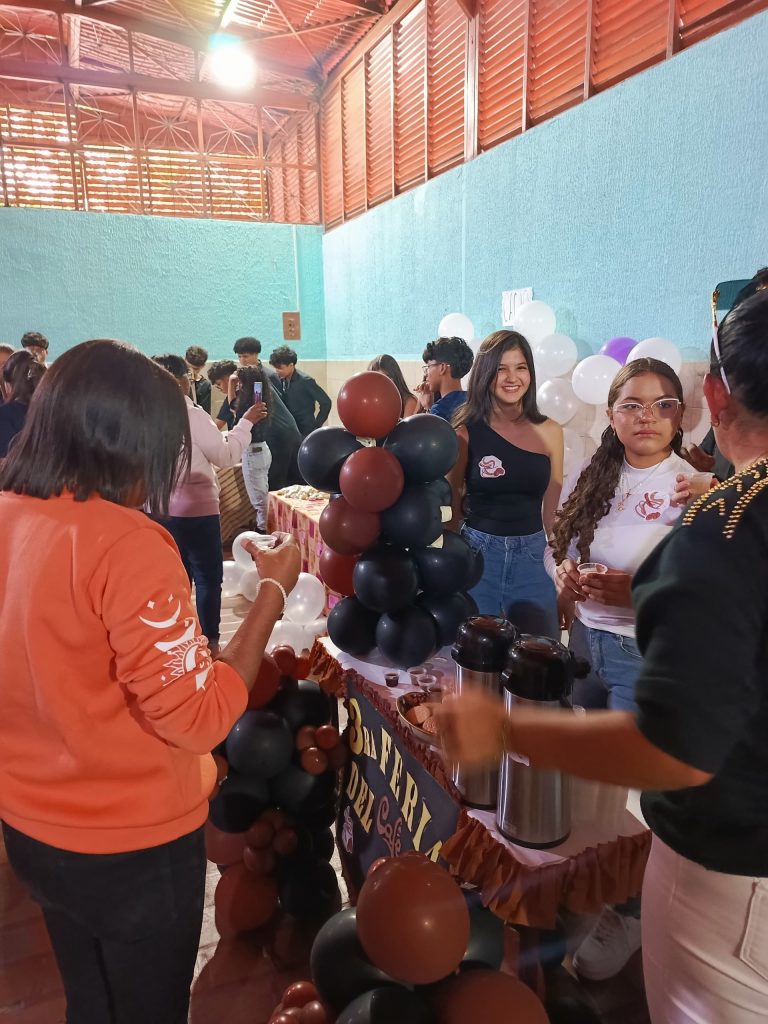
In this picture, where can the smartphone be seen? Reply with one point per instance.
(257, 391)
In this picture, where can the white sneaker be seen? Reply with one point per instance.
(608, 947)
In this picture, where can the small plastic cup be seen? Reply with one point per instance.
(591, 567)
(392, 679)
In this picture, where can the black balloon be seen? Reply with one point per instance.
(260, 743)
(407, 637)
(386, 1006)
(415, 519)
(448, 611)
(385, 578)
(300, 793)
(308, 889)
(352, 627)
(239, 802)
(323, 453)
(446, 569)
(476, 573)
(302, 703)
(486, 936)
(426, 447)
(340, 969)
(321, 816)
(323, 844)
(442, 489)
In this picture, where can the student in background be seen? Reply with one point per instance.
(257, 456)
(5, 352)
(20, 376)
(446, 362)
(219, 375)
(506, 484)
(391, 368)
(111, 700)
(193, 511)
(36, 344)
(303, 396)
(196, 358)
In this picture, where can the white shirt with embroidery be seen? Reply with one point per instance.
(626, 536)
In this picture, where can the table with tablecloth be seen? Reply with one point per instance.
(397, 795)
(300, 518)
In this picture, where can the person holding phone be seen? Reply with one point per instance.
(252, 390)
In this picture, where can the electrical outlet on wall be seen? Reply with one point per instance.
(291, 326)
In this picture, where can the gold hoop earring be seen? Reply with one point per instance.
(715, 421)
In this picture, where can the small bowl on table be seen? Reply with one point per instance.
(405, 708)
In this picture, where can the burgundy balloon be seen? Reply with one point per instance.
(369, 404)
(243, 900)
(299, 994)
(267, 683)
(286, 842)
(260, 834)
(336, 571)
(285, 659)
(371, 479)
(412, 921)
(348, 530)
(327, 737)
(314, 761)
(305, 737)
(313, 1013)
(487, 996)
(223, 847)
(259, 861)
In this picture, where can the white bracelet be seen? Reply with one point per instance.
(280, 587)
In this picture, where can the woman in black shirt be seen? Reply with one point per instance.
(698, 742)
(506, 483)
(21, 374)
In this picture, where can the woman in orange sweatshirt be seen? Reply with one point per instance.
(110, 699)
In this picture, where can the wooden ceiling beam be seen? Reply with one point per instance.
(39, 71)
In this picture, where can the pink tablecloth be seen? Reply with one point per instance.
(300, 519)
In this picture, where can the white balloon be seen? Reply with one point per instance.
(554, 355)
(578, 449)
(240, 555)
(663, 349)
(288, 634)
(535, 321)
(249, 584)
(230, 584)
(306, 601)
(556, 399)
(320, 625)
(456, 325)
(593, 377)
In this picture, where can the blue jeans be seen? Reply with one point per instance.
(515, 583)
(616, 663)
(198, 539)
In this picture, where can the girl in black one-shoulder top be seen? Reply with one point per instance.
(506, 483)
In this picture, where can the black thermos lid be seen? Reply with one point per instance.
(539, 668)
(482, 643)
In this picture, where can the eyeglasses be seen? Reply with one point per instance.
(661, 409)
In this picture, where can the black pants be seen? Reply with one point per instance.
(125, 927)
(198, 539)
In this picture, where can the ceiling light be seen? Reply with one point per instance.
(230, 63)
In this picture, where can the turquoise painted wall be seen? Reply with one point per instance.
(161, 283)
(622, 214)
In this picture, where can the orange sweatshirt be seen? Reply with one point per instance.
(109, 702)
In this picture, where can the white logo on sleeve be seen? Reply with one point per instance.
(491, 467)
(188, 652)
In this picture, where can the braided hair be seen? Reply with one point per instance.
(591, 499)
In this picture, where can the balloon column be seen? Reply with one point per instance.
(271, 810)
(415, 950)
(401, 575)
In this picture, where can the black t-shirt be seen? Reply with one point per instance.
(702, 626)
(505, 484)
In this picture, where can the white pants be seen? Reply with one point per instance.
(257, 458)
(705, 943)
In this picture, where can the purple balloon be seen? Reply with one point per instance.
(618, 348)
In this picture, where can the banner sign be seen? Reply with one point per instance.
(390, 803)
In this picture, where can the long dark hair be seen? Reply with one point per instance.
(479, 404)
(248, 376)
(105, 420)
(22, 373)
(390, 367)
(596, 488)
(743, 338)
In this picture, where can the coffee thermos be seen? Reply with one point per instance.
(481, 652)
(533, 805)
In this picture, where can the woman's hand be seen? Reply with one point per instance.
(256, 413)
(701, 461)
(232, 385)
(566, 610)
(568, 581)
(281, 563)
(689, 487)
(471, 729)
(612, 588)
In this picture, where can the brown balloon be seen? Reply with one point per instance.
(327, 737)
(285, 659)
(260, 862)
(313, 1013)
(276, 818)
(314, 761)
(338, 757)
(303, 665)
(243, 901)
(285, 842)
(267, 683)
(348, 530)
(305, 737)
(223, 848)
(412, 921)
(260, 834)
(369, 407)
(336, 571)
(487, 996)
(299, 994)
(377, 864)
(371, 479)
